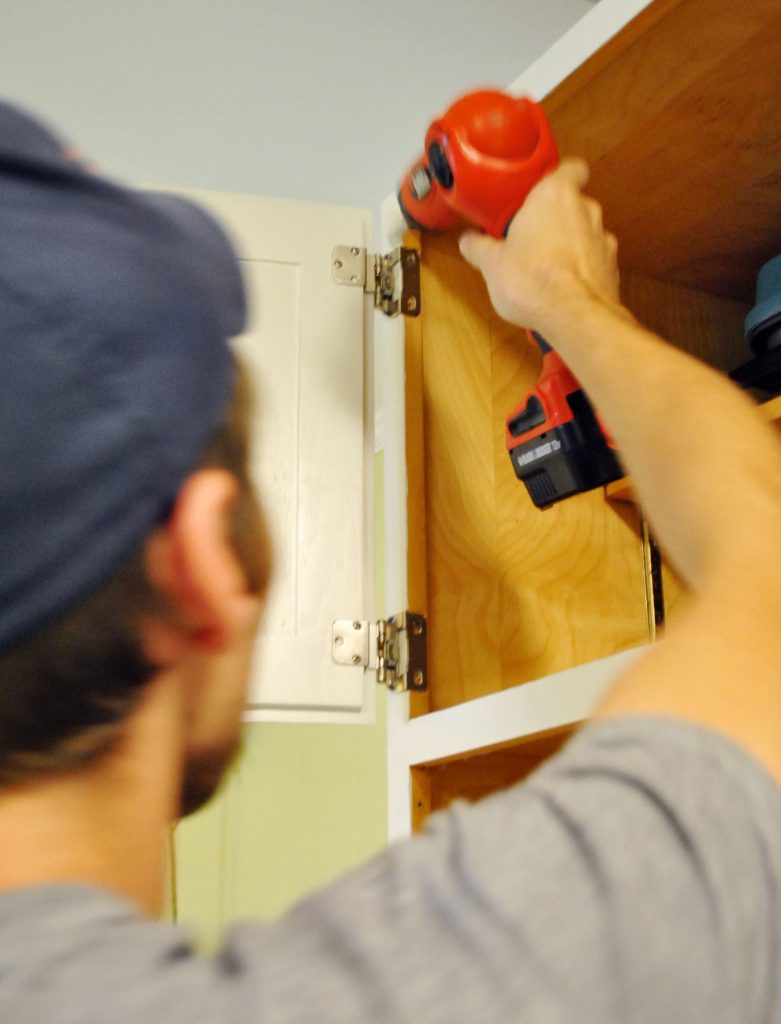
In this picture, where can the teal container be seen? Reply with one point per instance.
(763, 324)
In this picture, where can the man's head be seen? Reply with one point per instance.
(116, 383)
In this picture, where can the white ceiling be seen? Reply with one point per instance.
(297, 98)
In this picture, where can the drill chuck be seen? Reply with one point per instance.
(481, 159)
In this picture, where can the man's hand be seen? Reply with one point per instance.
(556, 254)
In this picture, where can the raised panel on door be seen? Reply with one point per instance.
(307, 348)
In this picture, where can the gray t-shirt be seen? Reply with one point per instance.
(633, 878)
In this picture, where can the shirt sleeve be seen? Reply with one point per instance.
(634, 877)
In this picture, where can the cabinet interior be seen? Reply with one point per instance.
(436, 786)
(678, 117)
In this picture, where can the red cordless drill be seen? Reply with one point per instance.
(481, 160)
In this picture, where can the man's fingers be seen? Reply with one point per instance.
(594, 212)
(575, 171)
(476, 248)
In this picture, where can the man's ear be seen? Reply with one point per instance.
(192, 561)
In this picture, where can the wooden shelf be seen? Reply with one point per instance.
(621, 491)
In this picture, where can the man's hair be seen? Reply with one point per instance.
(65, 692)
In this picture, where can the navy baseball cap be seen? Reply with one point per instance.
(116, 306)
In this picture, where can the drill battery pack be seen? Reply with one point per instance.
(556, 442)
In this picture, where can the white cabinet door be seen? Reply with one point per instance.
(308, 351)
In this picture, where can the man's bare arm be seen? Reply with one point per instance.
(706, 467)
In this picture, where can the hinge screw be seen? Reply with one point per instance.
(355, 251)
(356, 659)
(356, 625)
(338, 264)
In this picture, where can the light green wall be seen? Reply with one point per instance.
(303, 804)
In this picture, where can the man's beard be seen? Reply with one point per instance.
(204, 774)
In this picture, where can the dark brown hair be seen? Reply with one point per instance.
(65, 692)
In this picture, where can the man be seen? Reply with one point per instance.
(634, 877)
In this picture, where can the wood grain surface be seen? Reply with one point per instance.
(679, 117)
(512, 593)
(436, 786)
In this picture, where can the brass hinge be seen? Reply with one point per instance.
(394, 647)
(393, 279)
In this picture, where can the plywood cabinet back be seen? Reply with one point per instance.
(512, 593)
(679, 116)
(435, 787)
